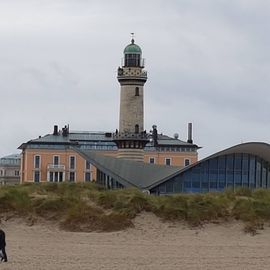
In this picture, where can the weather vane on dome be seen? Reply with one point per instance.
(132, 38)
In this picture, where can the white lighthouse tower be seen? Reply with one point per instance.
(131, 137)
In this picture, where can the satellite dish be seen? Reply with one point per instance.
(176, 136)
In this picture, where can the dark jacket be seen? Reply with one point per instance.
(2, 239)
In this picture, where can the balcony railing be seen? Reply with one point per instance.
(127, 136)
(60, 167)
(126, 73)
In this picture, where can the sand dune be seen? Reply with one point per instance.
(150, 245)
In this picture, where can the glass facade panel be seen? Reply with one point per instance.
(187, 181)
(268, 177)
(237, 170)
(162, 189)
(252, 171)
(229, 170)
(213, 173)
(264, 175)
(258, 173)
(196, 183)
(221, 173)
(178, 187)
(245, 168)
(205, 177)
(169, 187)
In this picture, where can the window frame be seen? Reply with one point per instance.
(88, 168)
(39, 162)
(170, 161)
(36, 173)
(189, 161)
(56, 156)
(74, 179)
(90, 176)
(72, 167)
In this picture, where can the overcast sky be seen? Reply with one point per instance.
(208, 63)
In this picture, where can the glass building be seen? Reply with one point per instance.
(243, 165)
(218, 173)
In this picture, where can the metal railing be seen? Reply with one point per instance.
(56, 167)
(124, 135)
(121, 72)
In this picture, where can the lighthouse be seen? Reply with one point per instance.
(131, 137)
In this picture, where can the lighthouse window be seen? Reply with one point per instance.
(136, 128)
(137, 91)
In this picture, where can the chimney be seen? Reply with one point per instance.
(155, 135)
(65, 131)
(55, 130)
(190, 133)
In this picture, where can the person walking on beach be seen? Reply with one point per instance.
(3, 245)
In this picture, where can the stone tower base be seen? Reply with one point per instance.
(131, 154)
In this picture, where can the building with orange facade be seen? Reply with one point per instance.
(56, 157)
(53, 157)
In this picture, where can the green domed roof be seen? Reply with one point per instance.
(132, 48)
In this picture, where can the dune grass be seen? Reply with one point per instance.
(88, 207)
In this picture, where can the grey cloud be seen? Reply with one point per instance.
(208, 62)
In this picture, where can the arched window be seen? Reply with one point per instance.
(187, 162)
(137, 128)
(137, 93)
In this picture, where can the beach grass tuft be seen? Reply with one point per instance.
(89, 207)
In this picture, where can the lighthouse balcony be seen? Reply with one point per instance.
(130, 136)
(134, 72)
(131, 140)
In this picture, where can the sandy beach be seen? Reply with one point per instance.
(151, 244)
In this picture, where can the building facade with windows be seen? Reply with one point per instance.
(10, 169)
(53, 158)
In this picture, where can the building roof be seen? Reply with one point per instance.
(99, 137)
(168, 141)
(13, 159)
(147, 176)
(128, 173)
